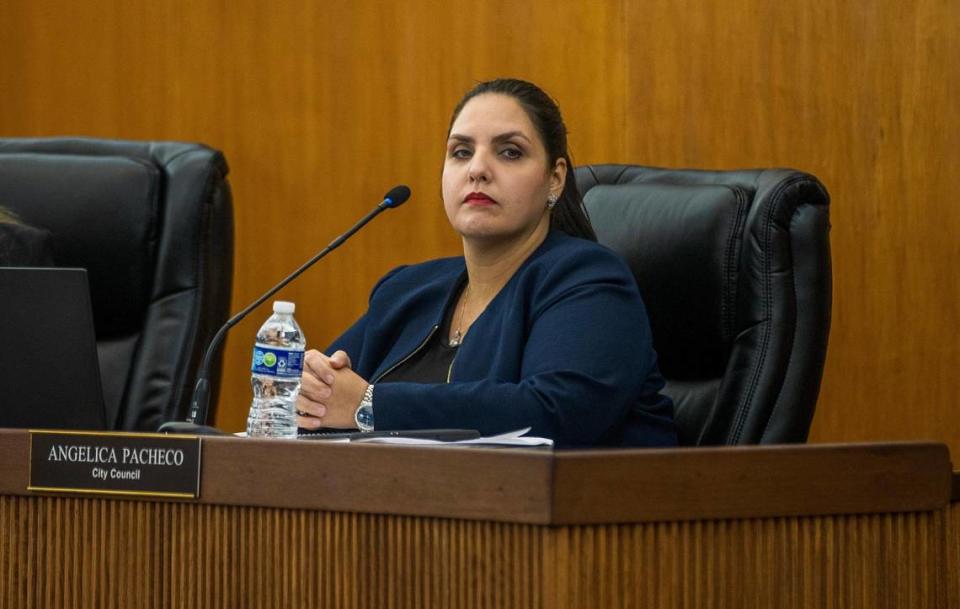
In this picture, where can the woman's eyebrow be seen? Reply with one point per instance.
(497, 138)
(508, 135)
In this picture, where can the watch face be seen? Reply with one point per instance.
(364, 418)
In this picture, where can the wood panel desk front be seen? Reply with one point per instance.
(306, 524)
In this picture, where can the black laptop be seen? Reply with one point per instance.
(49, 369)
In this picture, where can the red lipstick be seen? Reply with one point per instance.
(478, 198)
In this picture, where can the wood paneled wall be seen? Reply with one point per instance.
(321, 107)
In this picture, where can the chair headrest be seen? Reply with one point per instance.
(682, 242)
(102, 213)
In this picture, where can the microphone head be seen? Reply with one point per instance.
(397, 196)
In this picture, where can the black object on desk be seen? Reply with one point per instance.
(49, 367)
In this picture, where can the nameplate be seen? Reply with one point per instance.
(114, 463)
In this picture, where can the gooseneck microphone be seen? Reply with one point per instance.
(197, 418)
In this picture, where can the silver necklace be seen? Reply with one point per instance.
(458, 335)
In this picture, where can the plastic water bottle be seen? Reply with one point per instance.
(275, 375)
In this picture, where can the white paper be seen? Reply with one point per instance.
(511, 438)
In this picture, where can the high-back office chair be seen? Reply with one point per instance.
(734, 268)
(152, 222)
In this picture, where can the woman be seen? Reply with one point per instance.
(536, 325)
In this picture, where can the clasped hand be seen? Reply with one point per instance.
(330, 391)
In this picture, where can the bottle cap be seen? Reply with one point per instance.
(283, 307)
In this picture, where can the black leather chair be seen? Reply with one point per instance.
(734, 268)
(152, 222)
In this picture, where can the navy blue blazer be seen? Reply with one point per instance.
(564, 348)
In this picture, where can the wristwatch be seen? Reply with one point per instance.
(364, 414)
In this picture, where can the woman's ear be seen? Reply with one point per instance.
(558, 177)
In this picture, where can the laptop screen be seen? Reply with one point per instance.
(49, 371)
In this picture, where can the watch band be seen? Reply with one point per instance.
(363, 416)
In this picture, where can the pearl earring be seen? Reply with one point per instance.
(552, 201)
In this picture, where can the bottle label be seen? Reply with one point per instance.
(277, 362)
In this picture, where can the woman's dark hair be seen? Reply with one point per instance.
(569, 214)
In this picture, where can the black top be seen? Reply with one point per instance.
(24, 246)
(431, 363)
